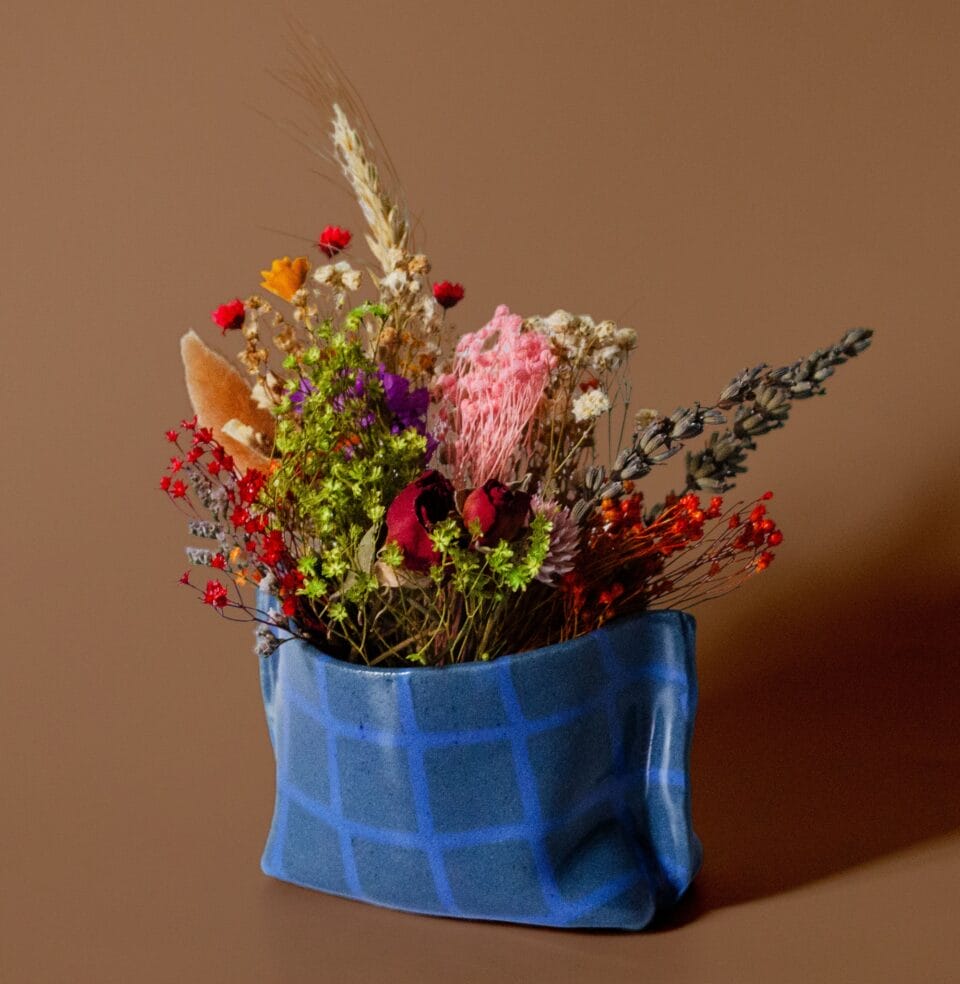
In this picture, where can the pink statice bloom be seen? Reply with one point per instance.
(498, 380)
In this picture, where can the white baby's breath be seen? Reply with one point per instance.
(590, 405)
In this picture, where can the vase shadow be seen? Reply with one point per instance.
(826, 731)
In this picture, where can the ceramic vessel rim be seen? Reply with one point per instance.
(477, 666)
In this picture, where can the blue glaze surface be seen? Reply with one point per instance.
(549, 787)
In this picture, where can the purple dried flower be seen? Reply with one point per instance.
(300, 394)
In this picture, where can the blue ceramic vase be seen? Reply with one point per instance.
(549, 787)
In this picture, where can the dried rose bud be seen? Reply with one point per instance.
(500, 512)
(229, 316)
(333, 240)
(447, 294)
(413, 514)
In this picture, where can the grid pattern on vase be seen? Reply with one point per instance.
(548, 788)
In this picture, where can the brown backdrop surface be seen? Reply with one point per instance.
(739, 181)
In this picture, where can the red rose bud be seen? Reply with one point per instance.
(448, 294)
(333, 240)
(413, 513)
(229, 316)
(500, 512)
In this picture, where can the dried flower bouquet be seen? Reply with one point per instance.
(413, 498)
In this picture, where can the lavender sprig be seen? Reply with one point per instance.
(762, 397)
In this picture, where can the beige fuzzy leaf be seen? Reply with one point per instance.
(220, 394)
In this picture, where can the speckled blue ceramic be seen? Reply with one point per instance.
(549, 787)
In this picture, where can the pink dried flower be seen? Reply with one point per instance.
(499, 376)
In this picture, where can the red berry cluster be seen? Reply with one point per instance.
(756, 532)
(630, 559)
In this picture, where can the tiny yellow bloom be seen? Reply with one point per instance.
(235, 555)
(285, 277)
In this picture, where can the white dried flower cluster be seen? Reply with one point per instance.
(407, 286)
(340, 276)
(584, 343)
(590, 405)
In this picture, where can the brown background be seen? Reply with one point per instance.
(739, 181)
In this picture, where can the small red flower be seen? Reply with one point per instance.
(333, 240)
(250, 485)
(203, 435)
(165, 483)
(194, 454)
(171, 436)
(229, 316)
(175, 464)
(185, 577)
(189, 424)
(221, 457)
(218, 561)
(448, 294)
(178, 490)
(272, 549)
(256, 524)
(215, 594)
(764, 560)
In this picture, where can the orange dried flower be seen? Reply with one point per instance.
(285, 276)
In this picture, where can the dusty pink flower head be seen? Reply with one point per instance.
(499, 376)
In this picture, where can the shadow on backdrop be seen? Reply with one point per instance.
(827, 730)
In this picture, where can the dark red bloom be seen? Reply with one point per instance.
(413, 514)
(447, 293)
(215, 594)
(185, 577)
(229, 316)
(333, 240)
(499, 513)
(218, 561)
(165, 483)
(189, 424)
(178, 490)
(202, 435)
(172, 436)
